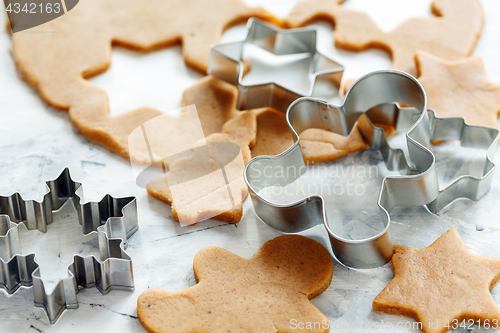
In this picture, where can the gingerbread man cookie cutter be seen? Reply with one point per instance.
(226, 64)
(417, 186)
(113, 219)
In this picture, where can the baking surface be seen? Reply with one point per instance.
(37, 141)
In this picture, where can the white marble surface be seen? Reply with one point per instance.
(37, 141)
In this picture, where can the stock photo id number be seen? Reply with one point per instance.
(26, 14)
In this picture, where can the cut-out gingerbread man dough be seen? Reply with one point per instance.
(451, 35)
(459, 89)
(439, 283)
(57, 57)
(261, 294)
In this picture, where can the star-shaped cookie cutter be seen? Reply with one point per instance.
(417, 186)
(226, 64)
(114, 220)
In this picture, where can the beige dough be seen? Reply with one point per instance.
(57, 57)
(459, 89)
(262, 294)
(451, 35)
(439, 283)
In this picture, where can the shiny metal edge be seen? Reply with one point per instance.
(113, 219)
(416, 187)
(226, 64)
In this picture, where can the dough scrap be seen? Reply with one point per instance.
(452, 34)
(459, 89)
(209, 183)
(57, 57)
(274, 137)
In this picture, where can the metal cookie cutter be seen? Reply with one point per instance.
(418, 185)
(225, 64)
(114, 220)
(471, 136)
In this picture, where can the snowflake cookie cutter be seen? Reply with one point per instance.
(418, 185)
(226, 64)
(114, 220)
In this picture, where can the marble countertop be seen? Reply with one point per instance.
(38, 141)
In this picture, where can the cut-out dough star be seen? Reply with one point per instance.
(459, 89)
(439, 283)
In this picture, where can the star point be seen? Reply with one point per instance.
(459, 88)
(441, 283)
